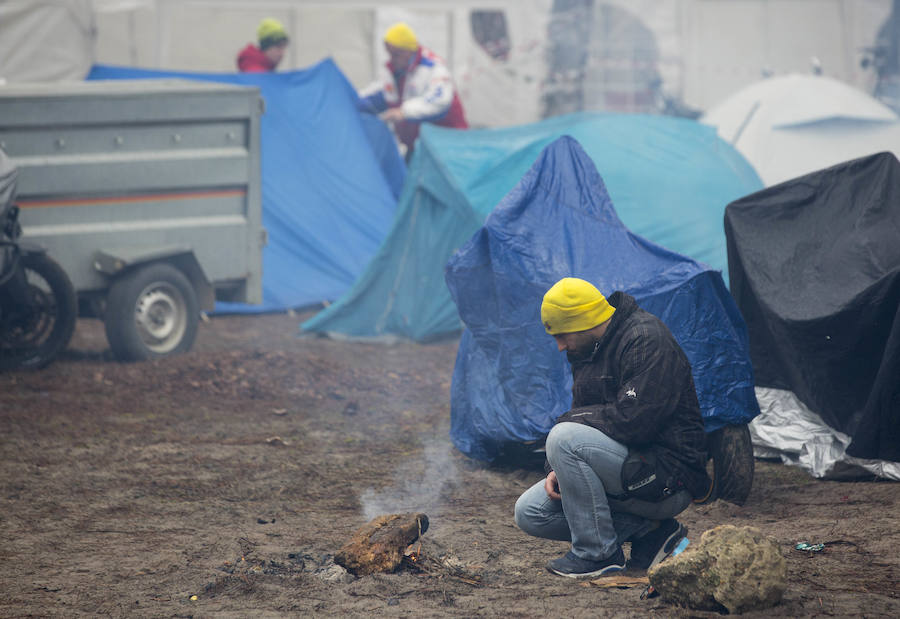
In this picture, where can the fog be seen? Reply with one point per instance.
(514, 61)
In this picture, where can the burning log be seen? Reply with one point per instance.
(379, 546)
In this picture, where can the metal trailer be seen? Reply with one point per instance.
(147, 192)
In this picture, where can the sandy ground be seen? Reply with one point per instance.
(235, 472)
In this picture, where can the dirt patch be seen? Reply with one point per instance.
(235, 472)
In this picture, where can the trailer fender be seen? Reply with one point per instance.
(116, 261)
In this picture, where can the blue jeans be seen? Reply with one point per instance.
(588, 466)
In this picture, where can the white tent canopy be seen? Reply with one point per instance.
(791, 125)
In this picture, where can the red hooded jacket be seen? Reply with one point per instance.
(251, 59)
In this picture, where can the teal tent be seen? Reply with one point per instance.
(669, 178)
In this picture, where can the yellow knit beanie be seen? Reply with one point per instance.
(572, 305)
(401, 35)
(271, 32)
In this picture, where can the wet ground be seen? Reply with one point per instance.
(222, 482)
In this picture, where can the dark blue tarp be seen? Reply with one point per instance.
(670, 177)
(330, 180)
(510, 382)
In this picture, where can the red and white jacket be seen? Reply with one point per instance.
(424, 91)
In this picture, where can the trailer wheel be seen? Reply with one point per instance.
(151, 312)
(731, 451)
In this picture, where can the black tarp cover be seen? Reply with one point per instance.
(815, 270)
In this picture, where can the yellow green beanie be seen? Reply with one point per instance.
(271, 32)
(572, 305)
(401, 35)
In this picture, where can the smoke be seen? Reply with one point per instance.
(417, 485)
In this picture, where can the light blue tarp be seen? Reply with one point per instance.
(330, 180)
(670, 179)
(510, 382)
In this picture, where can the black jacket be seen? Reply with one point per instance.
(637, 388)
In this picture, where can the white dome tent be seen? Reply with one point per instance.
(794, 124)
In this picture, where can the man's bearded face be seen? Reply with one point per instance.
(578, 345)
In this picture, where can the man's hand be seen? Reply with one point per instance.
(392, 115)
(551, 485)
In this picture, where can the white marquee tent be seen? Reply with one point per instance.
(791, 125)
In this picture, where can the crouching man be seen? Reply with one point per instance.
(631, 453)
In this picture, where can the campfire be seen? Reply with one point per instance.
(386, 545)
(413, 558)
(380, 545)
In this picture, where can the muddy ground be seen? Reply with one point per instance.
(235, 472)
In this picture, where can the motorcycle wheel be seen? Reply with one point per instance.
(731, 451)
(32, 341)
(151, 313)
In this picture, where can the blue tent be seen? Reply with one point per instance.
(670, 179)
(510, 383)
(330, 180)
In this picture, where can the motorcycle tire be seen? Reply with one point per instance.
(36, 340)
(151, 312)
(731, 451)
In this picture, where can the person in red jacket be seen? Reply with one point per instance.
(273, 41)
